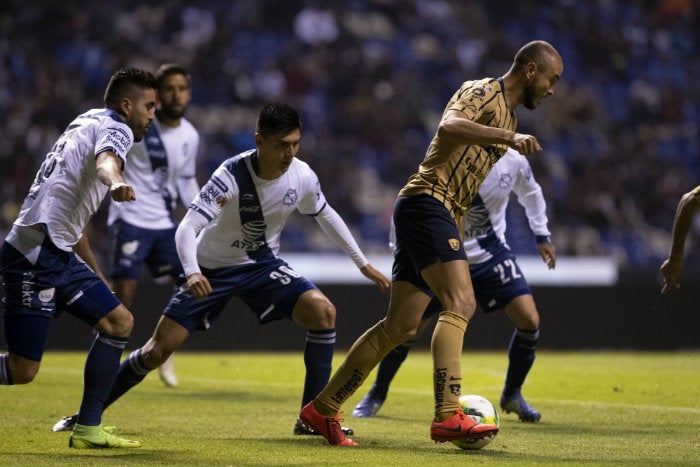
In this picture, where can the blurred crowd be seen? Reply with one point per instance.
(371, 78)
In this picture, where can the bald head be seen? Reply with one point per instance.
(540, 53)
(536, 69)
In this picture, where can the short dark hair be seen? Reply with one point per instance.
(277, 117)
(167, 69)
(123, 81)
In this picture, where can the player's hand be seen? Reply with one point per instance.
(525, 144)
(120, 191)
(548, 252)
(199, 285)
(671, 272)
(377, 277)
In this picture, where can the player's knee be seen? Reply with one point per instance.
(400, 332)
(324, 315)
(119, 322)
(465, 306)
(23, 374)
(531, 323)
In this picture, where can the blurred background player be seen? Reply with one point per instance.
(46, 261)
(497, 280)
(228, 243)
(162, 171)
(477, 127)
(672, 267)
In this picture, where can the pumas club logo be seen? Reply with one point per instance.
(454, 244)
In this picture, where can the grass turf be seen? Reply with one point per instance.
(238, 409)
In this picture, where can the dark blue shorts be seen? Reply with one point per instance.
(496, 282)
(270, 288)
(131, 246)
(425, 234)
(36, 292)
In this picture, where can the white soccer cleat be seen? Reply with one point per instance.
(66, 423)
(167, 372)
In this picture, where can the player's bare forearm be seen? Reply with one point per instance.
(687, 207)
(109, 172)
(456, 127)
(377, 277)
(671, 271)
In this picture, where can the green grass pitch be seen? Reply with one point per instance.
(238, 409)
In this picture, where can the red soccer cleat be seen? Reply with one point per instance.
(329, 427)
(458, 426)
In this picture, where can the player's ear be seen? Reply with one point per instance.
(530, 70)
(258, 139)
(125, 106)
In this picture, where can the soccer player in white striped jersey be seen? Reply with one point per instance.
(228, 243)
(161, 169)
(497, 280)
(46, 261)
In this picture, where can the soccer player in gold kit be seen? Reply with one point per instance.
(477, 127)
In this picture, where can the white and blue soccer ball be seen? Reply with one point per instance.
(481, 410)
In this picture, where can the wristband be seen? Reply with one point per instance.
(543, 239)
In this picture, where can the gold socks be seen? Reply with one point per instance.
(364, 355)
(446, 347)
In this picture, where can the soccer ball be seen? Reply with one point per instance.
(481, 410)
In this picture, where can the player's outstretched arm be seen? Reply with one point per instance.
(109, 172)
(672, 267)
(335, 228)
(377, 277)
(457, 128)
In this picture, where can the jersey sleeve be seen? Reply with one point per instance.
(186, 182)
(218, 190)
(116, 137)
(476, 99)
(530, 197)
(312, 199)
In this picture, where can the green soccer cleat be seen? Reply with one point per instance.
(96, 437)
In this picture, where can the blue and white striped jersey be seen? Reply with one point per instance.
(161, 169)
(485, 221)
(66, 191)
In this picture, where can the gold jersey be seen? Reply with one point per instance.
(453, 173)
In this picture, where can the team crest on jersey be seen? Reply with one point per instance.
(454, 244)
(46, 295)
(290, 199)
(129, 248)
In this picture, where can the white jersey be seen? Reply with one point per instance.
(66, 191)
(246, 214)
(485, 221)
(161, 169)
